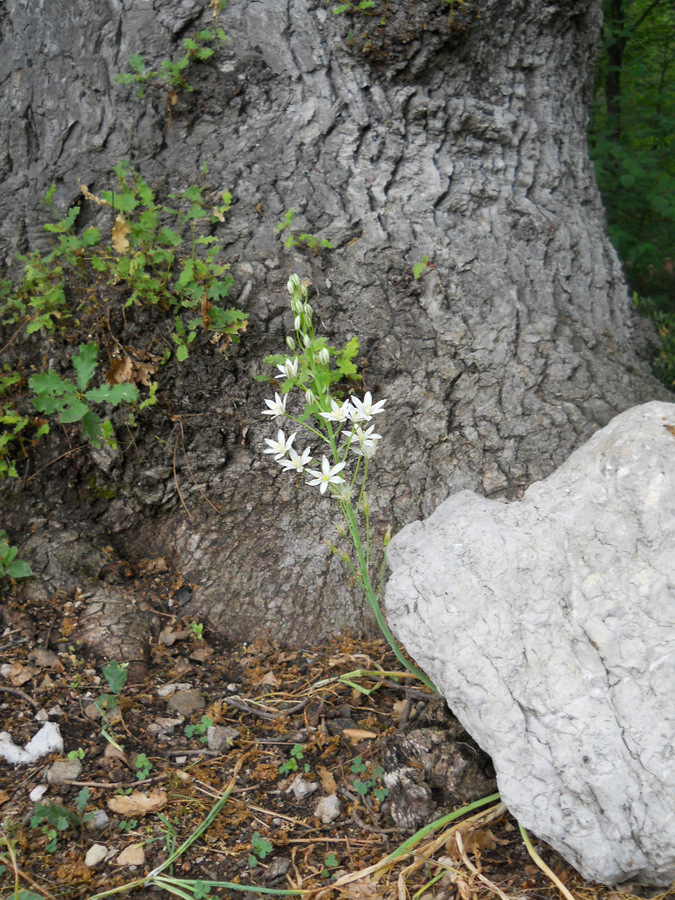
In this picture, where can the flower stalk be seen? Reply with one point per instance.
(343, 427)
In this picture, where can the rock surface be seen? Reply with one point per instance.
(548, 625)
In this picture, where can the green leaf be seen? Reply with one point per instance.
(73, 411)
(85, 363)
(115, 675)
(182, 353)
(137, 63)
(19, 569)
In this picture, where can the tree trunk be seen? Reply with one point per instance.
(452, 131)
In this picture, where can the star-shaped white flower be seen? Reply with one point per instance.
(297, 462)
(289, 369)
(281, 446)
(277, 407)
(327, 475)
(365, 409)
(358, 434)
(340, 412)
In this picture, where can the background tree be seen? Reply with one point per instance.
(451, 131)
(632, 136)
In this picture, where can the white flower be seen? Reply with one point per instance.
(296, 461)
(366, 449)
(327, 475)
(281, 446)
(340, 412)
(357, 433)
(310, 397)
(324, 356)
(289, 369)
(365, 409)
(277, 407)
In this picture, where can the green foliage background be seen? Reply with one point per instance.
(632, 142)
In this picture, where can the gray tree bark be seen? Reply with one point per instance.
(458, 134)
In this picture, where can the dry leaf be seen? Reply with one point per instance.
(358, 734)
(4, 797)
(119, 234)
(399, 707)
(142, 373)
(138, 803)
(121, 371)
(87, 194)
(327, 780)
(20, 674)
(271, 680)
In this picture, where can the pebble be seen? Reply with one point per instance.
(95, 855)
(99, 821)
(133, 855)
(186, 702)
(301, 788)
(220, 737)
(328, 809)
(167, 689)
(64, 770)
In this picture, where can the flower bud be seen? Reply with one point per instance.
(306, 340)
(290, 343)
(365, 505)
(307, 309)
(297, 323)
(324, 356)
(309, 397)
(387, 536)
(293, 284)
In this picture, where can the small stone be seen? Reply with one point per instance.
(99, 821)
(133, 855)
(277, 868)
(167, 689)
(301, 788)
(219, 737)
(328, 809)
(64, 770)
(38, 793)
(163, 725)
(95, 855)
(186, 702)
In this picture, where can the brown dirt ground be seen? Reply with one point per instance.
(272, 696)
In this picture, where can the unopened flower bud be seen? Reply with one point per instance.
(387, 536)
(297, 323)
(365, 505)
(324, 356)
(309, 397)
(290, 343)
(293, 284)
(306, 340)
(307, 309)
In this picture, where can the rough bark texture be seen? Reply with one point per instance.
(461, 138)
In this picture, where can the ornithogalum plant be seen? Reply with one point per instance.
(346, 439)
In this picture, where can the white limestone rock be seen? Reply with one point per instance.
(549, 626)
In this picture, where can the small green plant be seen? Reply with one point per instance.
(53, 819)
(73, 402)
(363, 6)
(10, 566)
(420, 268)
(143, 766)
(330, 862)
(261, 848)
(304, 240)
(198, 630)
(126, 826)
(76, 754)
(291, 764)
(115, 675)
(200, 729)
(171, 75)
(358, 767)
(662, 315)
